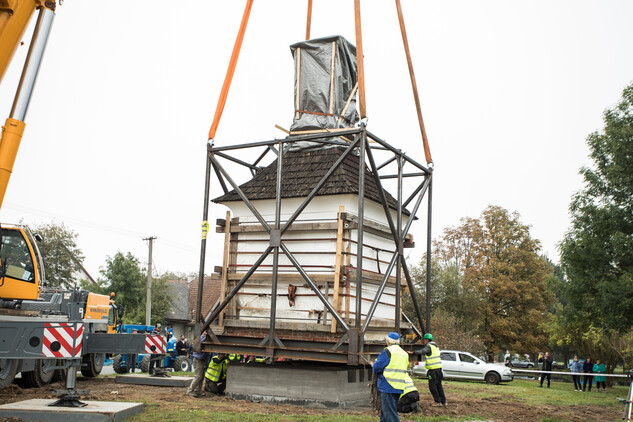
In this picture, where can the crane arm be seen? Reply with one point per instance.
(14, 17)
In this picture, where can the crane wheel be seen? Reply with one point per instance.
(42, 374)
(8, 367)
(91, 364)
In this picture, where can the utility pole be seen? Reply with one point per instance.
(148, 301)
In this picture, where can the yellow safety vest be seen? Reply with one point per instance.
(396, 372)
(408, 386)
(433, 361)
(215, 370)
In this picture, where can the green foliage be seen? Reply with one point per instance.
(124, 277)
(596, 251)
(59, 252)
(493, 280)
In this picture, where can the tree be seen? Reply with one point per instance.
(60, 254)
(596, 251)
(500, 267)
(124, 276)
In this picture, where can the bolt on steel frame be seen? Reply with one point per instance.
(351, 345)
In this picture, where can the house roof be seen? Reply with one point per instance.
(210, 294)
(302, 170)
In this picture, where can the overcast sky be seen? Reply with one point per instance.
(117, 128)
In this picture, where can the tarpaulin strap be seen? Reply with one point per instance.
(414, 86)
(231, 70)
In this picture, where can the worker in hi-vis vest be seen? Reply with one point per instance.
(433, 365)
(391, 367)
(216, 374)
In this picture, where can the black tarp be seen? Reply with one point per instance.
(316, 108)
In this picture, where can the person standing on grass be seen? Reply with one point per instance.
(547, 360)
(587, 368)
(391, 367)
(599, 368)
(199, 367)
(576, 368)
(433, 366)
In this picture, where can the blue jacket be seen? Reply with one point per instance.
(201, 355)
(379, 366)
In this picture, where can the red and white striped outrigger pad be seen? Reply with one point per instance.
(63, 340)
(155, 344)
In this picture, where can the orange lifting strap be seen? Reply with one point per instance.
(414, 86)
(309, 20)
(360, 68)
(230, 71)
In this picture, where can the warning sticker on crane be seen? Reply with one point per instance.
(155, 344)
(62, 340)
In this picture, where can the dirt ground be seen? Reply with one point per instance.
(493, 408)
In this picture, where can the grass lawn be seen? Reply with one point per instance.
(478, 401)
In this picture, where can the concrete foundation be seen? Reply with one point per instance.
(145, 379)
(314, 385)
(95, 411)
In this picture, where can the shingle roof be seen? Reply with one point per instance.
(302, 170)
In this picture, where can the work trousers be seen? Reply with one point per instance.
(587, 380)
(409, 402)
(131, 362)
(549, 379)
(577, 385)
(215, 387)
(198, 376)
(435, 385)
(389, 403)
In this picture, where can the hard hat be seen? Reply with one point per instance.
(428, 336)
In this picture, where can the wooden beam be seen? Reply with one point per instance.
(253, 228)
(298, 86)
(337, 268)
(225, 264)
(332, 77)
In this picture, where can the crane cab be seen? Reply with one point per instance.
(21, 266)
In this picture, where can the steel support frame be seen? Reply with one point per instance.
(351, 344)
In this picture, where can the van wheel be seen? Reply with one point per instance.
(493, 378)
(7, 371)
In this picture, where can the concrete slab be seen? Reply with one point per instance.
(314, 385)
(95, 411)
(145, 379)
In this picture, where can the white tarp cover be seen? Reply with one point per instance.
(314, 75)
